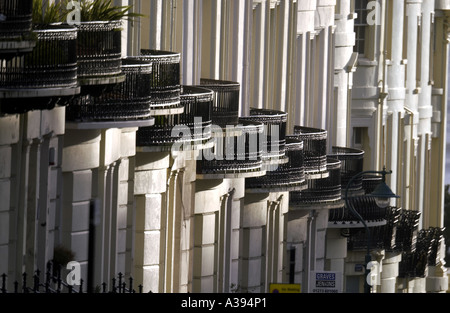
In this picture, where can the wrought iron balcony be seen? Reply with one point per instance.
(99, 52)
(165, 81)
(315, 150)
(197, 115)
(237, 153)
(226, 102)
(365, 206)
(352, 161)
(407, 230)
(126, 101)
(15, 27)
(426, 253)
(289, 176)
(322, 191)
(274, 135)
(17, 18)
(190, 128)
(382, 237)
(47, 74)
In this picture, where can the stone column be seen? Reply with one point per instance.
(10, 152)
(211, 236)
(151, 179)
(389, 272)
(81, 155)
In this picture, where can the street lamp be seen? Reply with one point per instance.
(382, 195)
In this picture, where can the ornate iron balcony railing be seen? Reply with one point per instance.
(193, 126)
(52, 64)
(99, 50)
(274, 135)
(17, 21)
(197, 115)
(323, 190)
(165, 82)
(50, 70)
(289, 176)
(426, 253)
(352, 161)
(238, 154)
(128, 100)
(226, 101)
(382, 236)
(365, 206)
(315, 150)
(407, 230)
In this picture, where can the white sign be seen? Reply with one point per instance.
(325, 282)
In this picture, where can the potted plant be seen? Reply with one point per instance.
(99, 38)
(48, 72)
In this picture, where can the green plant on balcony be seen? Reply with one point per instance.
(46, 13)
(104, 10)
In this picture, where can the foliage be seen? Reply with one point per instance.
(103, 10)
(46, 12)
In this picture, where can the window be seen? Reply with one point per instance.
(360, 25)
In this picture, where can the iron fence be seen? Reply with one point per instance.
(51, 64)
(128, 100)
(99, 49)
(226, 101)
(382, 236)
(196, 117)
(365, 206)
(52, 282)
(289, 174)
(315, 148)
(274, 135)
(234, 154)
(322, 190)
(426, 253)
(352, 161)
(18, 21)
(165, 81)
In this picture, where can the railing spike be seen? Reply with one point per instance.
(3, 283)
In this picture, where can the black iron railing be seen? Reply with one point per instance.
(48, 73)
(365, 206)
(234, 154)
(128, 100)
(226, 101)
(407, 230)
(193, 125)
(352, 161)
(322, 190)
(274, 136)
(370, 182)
(426, 253)
(51, 64)
(17, 18)
(290, 175)
(315, 148)
(52, 281)
(160, 133)
(165, 82)
(382, 236)
(197, 115)
(99, 49)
